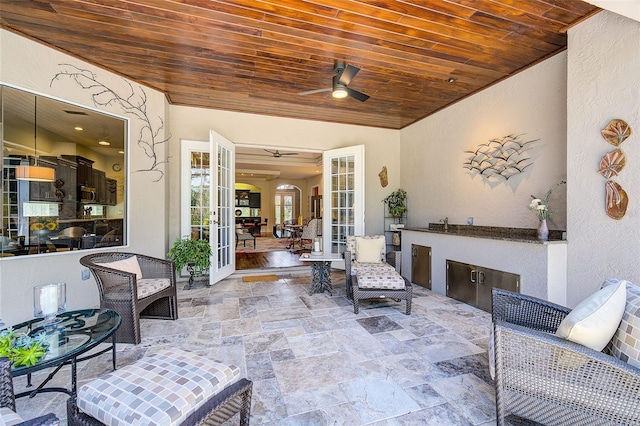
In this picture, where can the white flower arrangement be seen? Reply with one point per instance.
(541, 207)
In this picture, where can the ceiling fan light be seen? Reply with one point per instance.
(339, 93)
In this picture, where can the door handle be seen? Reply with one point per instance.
(471, 277)
(480, 277)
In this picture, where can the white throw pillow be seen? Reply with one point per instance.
(594, 321)
(129, 264)
(368, 250)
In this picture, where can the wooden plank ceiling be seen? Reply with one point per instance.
(257, 56)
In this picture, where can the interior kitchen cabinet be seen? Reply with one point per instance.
(99, 182)
(112, 192)
(84, 172)
(254, 200)
(472, 284)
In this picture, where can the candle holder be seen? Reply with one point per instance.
(49, 300)
(317, 247)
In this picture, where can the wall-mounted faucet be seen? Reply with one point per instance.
(446, 223)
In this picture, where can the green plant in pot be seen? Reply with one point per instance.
(185, 250)
(22, 349)
(397, 203)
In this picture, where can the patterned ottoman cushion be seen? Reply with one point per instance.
(382, 281)
(161, 389)
(625, 344)
(371, 269)
(149, 286)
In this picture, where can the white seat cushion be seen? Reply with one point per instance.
(161, 389)
(149, 286)
(594, 321)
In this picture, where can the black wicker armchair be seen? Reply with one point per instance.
(543, 378)
(119, 290)
(8, 401)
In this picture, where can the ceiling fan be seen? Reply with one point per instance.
(340, 89)
(278, 154)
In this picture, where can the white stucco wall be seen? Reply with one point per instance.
(433, 152)
(29, 65)
(603, 84)
(382, 148)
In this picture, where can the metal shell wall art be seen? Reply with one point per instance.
(616, 200)
(500, 158)
(612, 163)
(616, 132)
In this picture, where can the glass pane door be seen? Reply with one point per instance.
(343, 175)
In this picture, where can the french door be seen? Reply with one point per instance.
(343, 199)
(207, 188)
(223, 171)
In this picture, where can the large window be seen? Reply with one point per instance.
(63, 176)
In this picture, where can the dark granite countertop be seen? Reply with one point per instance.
(524, 235)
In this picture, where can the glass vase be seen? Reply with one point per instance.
(543, 230)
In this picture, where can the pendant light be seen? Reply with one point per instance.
(35, 173)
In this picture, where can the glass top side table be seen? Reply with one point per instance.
(74, 334)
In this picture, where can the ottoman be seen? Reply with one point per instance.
(381, 286)
(170, 387)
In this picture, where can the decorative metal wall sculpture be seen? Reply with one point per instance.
(616, 199)
(500, 158)
(616, 132)
(133, 103)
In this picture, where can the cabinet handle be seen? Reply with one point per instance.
(480, 277)
(471, 277)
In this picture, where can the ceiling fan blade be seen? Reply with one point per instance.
(288, 153)
(311, 92)
(357, 95)
(349, 72)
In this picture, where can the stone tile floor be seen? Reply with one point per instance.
(314, 362)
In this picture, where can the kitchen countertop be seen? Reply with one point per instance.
(88, 220)
(523, 235)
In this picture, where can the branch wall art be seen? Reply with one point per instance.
(132, 102)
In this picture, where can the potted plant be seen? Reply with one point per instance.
(186, 249)
(22, 349)
(397, 203)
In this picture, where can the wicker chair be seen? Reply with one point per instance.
(119, 291)
(8, 401)
(546, 379)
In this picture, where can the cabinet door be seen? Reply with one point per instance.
(489, 278)
(461, 281)
(254, 200)
(112, 192)
(42, 191)
(421, 265)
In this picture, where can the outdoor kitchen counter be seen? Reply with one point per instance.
(522, 235)
(541, 265)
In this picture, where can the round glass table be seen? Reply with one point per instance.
(73, 334)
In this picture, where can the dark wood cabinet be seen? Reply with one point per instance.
(99, 182)
(112, 192)
(254, 200)
(84, 174)
(43, 191)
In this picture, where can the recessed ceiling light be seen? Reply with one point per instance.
(105, 143)
(120, 152)
(451, 80)
(78, 128)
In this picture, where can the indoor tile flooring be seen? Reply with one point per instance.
(314, 362)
